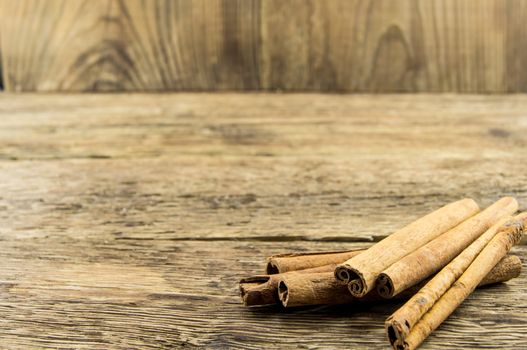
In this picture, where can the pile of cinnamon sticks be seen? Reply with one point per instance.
(435, 263)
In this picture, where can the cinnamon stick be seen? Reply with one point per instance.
(431, 257)
(507, 268)
(406, 317)
(408, 336)
(261, 290)
(361, 271)
(299, 261)
(323, 289)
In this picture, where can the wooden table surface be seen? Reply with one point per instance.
(127, 220)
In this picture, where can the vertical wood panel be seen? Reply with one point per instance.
(357, 45)
(516, 45)
(192, 45)
(387, 46)
(464, 45)
(291, 45)
(45, 45)
(285, 44)
(76, 45)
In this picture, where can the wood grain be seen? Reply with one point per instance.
(127, 220)
(100, 293)
(474, 46)
(151, 165)
(133, 45)
(191, 45)
(46, 47)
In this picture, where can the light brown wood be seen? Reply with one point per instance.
(474, 46)
(109, 204)
(58, 45)
(137, 293)
(132, 45)
(216, 159)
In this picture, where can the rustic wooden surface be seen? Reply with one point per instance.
(294, 45)
(127, 220)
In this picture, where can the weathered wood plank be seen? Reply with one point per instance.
(515, 42)
(40, 127)
(55, 45)
(216, 167)
(341, 45)
(215, 199)
(127, 220)
(191, 45)
(381, 45)
(81, 45)
(104, 292)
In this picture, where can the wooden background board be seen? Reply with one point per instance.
(127, 220)
(474, 46)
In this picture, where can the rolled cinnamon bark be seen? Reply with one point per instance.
(361, 271)
(431, 257)
(313, 289)
(508, 268)
(261, 290)
(406, 317)
(509, 235)
(299, 261)
(322, 289)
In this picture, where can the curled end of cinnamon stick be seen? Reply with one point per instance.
(508, 268)
(342, 274)
(271, 268)
(396, 331)
(257, 291)
(385, 286)
(357, 284)
(283, 293)
(392, 335)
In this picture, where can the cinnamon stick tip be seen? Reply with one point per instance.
(516, 261)
(342, 274)
(469, 202)
(395, 331)
(392, 337)
(283, 293)
(385, 286)
(250, 293)
(271, 268)
(357, 283)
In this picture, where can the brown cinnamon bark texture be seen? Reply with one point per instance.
(323, 289)
(313, 289)
(493, 252)
(299, 261)
(261, 290)
(508, 268)
(361, 271)
(437, 253)
(406, 317)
